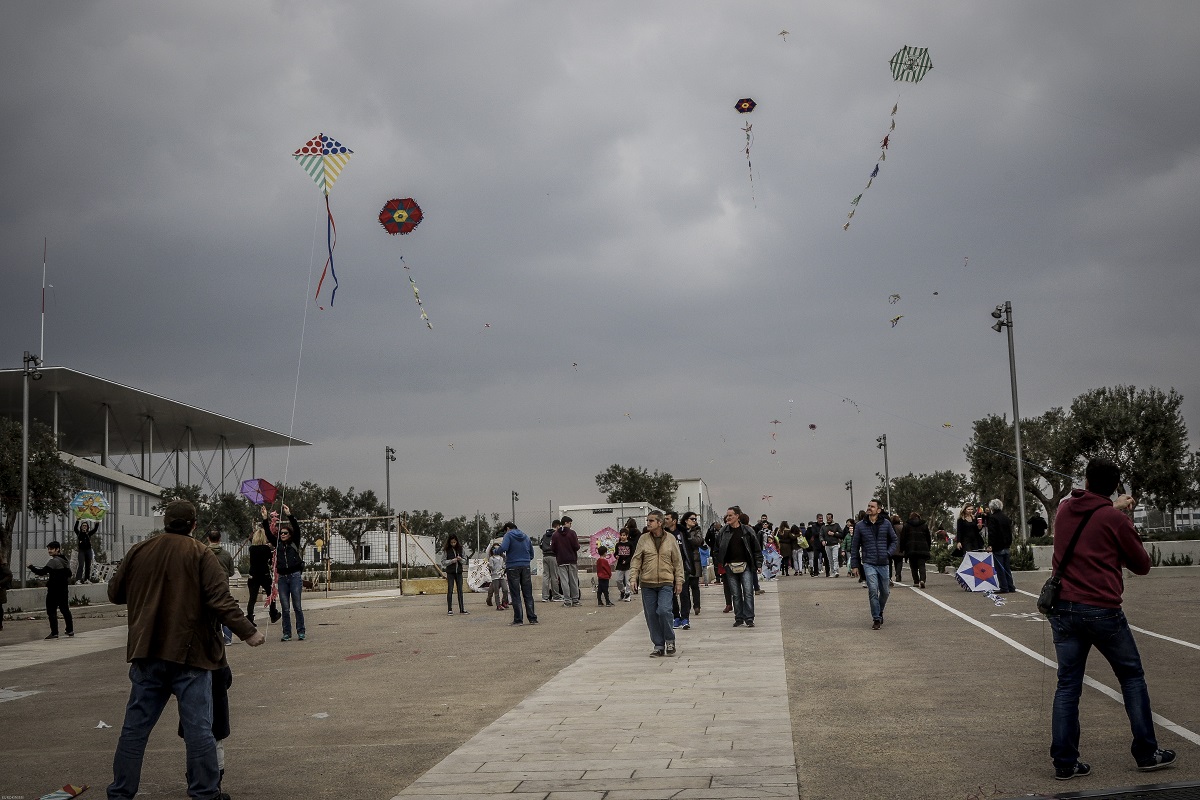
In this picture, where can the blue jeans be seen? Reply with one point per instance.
(741, 591)
(877, 588)
(1077, 628)
(520, 583)
(154, 682)
(656, 605)
(290, 587)
(1002, 560)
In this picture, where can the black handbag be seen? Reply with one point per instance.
(1053, 585)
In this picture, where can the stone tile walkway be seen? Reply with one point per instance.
(711, 722)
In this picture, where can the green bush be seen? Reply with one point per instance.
(1021, 559)
(1041, 541)
(1177, 560)
(942, 556)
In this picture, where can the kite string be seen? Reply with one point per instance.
(312, 259)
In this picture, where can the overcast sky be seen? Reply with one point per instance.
(604, 283)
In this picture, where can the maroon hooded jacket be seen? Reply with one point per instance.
(1108, 542)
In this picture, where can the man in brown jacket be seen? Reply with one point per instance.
(657, 567)
(178, 597)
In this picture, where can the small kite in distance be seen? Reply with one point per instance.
(776, 422)
(947, 425)
(784, 34)
(893, 298)
(772, 452)
(768, 497)
(896, 319)
(812, 426)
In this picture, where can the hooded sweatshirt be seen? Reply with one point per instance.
(1108, 542)
(517, 549)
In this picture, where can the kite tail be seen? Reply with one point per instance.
(330, 242)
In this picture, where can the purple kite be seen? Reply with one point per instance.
(258, 491)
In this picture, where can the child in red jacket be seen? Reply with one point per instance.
(603, 575)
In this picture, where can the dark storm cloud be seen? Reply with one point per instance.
(586, 196)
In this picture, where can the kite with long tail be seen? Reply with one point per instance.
(910, 64)
(324, 158)
(745, 106)
(401, 216)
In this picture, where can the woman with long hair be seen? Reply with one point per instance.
(454, 561)
(262, 546)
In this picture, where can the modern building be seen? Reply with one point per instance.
(129, 444)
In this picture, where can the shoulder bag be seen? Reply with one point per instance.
(1053, 584)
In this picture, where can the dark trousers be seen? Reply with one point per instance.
(454, 579)
(602, 592)
(916, 565)
(896, 568)
(818, 555)
(681, 603)
(692, 585)
(58, 601)
(255, 585)
(520, 585)
(83, 571)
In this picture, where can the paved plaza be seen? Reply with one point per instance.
(392, 698)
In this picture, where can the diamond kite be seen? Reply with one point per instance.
(745, 105)
(258, 491)
(324, 158)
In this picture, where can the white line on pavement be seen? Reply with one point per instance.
(1175, 728)
(1141, 630)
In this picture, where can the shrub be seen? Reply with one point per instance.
(1022, 559)
(942, 556)
(1177, 560)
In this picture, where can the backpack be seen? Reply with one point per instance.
(546, 544)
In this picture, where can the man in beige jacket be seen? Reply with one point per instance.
(657, 567)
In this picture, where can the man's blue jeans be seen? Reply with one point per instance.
(877, 588)
(741, 589)
(1077, 628)
(1002, 559)
(656, 605)
(520, 589)
(290, 588)
(154, 682)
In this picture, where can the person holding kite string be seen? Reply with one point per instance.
(289, 565)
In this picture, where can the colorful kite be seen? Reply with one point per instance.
(977, 573)
(745, 106)
(896, 319)
(68, 791)
(258, 491)
(893, 298)
(910, 65)
(400, 216)
(606, 537)
(89, 505)
(324, 158)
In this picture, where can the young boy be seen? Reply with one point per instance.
(624, 552)
(604, 572)
(499, 584)
(59, 572)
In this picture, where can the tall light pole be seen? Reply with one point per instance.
(31, 364)
(389, 455)
(881, 443)
(515, 498)
(1003, 317)
(850, 489)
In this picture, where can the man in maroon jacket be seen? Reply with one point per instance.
(1088, 613)
(566, 551)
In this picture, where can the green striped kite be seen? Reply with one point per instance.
(910, 64)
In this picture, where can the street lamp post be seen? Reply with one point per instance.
(389, 455)
(881, 443)
(850, 489)
(1003, 317)
(31, 364)
(515, 498)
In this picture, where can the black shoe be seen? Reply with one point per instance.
(1077, 770)
(1160, 760)
(52, 636)
(71, 634)
(464, 612)
(877, 624)
(516, 622)
(275, 616)
(739, 623)
(671, 648)
(749, 623)
(656, 653)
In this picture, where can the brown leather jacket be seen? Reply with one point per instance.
(178, 596)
